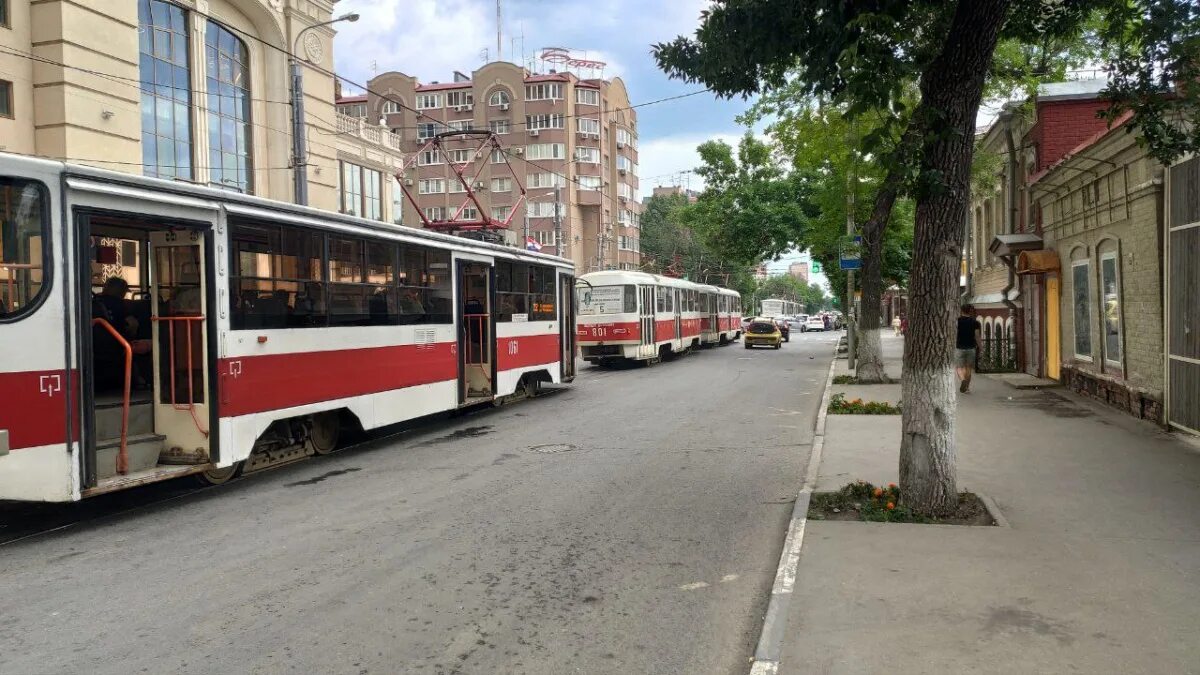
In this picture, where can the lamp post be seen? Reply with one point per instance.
(299, 151)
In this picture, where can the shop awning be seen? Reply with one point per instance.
(1037, 262)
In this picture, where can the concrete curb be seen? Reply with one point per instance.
(770, 640)
(993, 510)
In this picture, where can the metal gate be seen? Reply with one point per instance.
(1183, 289)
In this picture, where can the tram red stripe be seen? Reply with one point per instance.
(526, 350)
(33, 407)
(595, 333)
(253, 384)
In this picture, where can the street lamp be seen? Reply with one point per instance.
(299, 152)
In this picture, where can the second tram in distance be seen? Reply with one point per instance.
(635, 316)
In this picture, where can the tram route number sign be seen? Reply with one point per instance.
(601, 300)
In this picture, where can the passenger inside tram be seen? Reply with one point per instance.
(108, 353)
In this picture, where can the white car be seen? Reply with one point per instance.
(814, 323)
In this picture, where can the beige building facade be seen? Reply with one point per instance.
(1101, 212)
(189, 90)
(569, 141)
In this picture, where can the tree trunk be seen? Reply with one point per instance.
(869, 368)
(951, 89)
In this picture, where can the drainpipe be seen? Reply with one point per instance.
(1010, 261)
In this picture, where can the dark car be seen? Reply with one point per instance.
(784, 327)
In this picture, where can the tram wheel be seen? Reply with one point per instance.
(219, 476)
(326, 429)
(530, 386)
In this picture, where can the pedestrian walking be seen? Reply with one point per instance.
(966, 346)
(896, 325)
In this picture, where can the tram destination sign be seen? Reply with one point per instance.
(601, 300)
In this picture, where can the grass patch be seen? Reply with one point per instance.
(863, 501)
(839, 405)
(845, 379)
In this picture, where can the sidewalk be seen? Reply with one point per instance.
(1099, 570)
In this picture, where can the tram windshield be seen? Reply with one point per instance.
(595, 300)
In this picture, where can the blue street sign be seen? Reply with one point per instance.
(851, 258)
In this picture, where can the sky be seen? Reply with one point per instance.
(432, 38)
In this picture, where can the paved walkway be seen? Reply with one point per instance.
(1099, 570)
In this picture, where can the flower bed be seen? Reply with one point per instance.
(839, 405)
(861, 500)
(845, 379)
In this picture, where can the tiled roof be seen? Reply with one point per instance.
(351, 99)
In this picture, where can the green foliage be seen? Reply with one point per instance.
(838, 405)
(873, 504)
(751, 209)
(669, 246)
(845, 379)
(1155, 72)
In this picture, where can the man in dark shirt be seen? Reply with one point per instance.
(965, 345)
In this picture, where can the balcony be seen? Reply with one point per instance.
(372, 133)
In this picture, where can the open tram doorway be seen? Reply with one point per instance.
(646, 323)
(145, 349)
(476, 332)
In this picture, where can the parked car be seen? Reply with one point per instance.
(764, 333)
(814, 323)
(797, 322)
(785, 328)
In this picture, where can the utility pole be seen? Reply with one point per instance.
(299, 151)
(558, 238)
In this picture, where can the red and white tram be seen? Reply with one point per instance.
(255, 329)
(635, 316)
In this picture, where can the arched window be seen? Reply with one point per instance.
(499, 97)
(390, 107)
(987, 340)
(229, 141)
(166, 90)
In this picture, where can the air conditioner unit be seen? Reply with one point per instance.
(518, 150)
(533, 132)
(621, 171)
(459, 108)
(623, 198)
(504, 106)
(469, 107)
(408, 182)
(620, 145)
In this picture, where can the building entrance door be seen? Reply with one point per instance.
(1053, 341)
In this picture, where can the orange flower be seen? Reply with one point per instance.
(878, 492)
(857, 401)
(891, 505)
(892, 485)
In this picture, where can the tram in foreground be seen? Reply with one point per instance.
(627, 316)
(153, 329)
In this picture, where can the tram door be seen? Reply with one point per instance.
(647, 320)
(179, 320)
(678, 315)
(476, 344)
(566, 324)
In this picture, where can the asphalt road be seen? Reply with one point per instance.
(629, 524)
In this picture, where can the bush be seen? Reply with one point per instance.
(838, 405)
(845, 379)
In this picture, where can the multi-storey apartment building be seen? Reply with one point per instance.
(188, 90)
(570, 141)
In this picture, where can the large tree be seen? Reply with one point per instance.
(669, 246)
(866, 54)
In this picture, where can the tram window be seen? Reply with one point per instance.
(630, 298)
(541, 293)
(278, 279)
(512, 286)
(24, 224)
(361, 282)
(424, 285)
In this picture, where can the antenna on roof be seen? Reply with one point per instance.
(499, 53)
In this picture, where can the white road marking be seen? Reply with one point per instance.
(729, 577)
(693, 586)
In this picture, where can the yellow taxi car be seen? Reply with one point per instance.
(762, 333)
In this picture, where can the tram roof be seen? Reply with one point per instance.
(613, 277)
(147, 187)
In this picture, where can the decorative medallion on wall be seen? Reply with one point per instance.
(313, 49)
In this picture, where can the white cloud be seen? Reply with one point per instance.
(429, 39)
(660, 160)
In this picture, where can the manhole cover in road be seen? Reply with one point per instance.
(552, 448)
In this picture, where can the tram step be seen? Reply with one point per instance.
(143, 451)
(108, 419)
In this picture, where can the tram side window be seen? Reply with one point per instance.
(631, 297)
(278, 279)
(541, 289)
(425, 291)
(512, 286)
(24, 221)
(362, 282)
